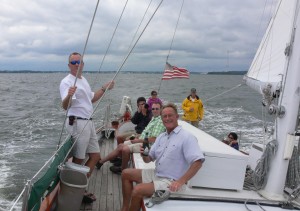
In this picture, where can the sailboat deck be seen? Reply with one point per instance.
(105, 185)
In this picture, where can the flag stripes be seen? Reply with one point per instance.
(172, 72)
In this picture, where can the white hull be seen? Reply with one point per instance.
(208, 206)
(206, 198)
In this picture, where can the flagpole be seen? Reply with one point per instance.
(172, 42)
(159, 85)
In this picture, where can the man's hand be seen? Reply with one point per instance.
(72, 91)
(141, 150)
(140, 107)
(175, 186)
(109, 85)
(66, 100)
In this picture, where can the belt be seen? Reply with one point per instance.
(76, 117)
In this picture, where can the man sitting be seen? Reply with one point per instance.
(177, 157)
(154, 129)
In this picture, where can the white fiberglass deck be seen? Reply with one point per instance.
(221, 170)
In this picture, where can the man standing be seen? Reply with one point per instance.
(193, 109)
(78, 100)
(178, 158)
(154, 129)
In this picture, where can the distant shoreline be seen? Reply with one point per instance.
(203, 73)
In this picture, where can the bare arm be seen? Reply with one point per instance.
(151, 140)
(194, 168)
(98, 94)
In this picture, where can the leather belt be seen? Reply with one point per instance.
(76, 117)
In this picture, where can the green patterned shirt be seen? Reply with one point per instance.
(154, 128)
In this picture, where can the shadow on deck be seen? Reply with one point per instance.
(106, 186)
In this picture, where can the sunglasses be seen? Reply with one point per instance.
(75, 62)
(155, 109)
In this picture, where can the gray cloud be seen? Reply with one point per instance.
(39, 35)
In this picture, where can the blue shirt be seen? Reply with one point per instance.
(174, 153)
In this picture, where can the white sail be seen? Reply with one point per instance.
(289, 98)
(270, 63)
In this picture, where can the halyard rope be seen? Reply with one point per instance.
(293, 177)
(262, 169)
(118, 71)
(235, 87)
(172, 41)
(83, 53)
(125, 59)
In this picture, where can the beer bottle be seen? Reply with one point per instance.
(146, 145)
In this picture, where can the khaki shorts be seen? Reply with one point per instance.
(87, 140)
(160, 183)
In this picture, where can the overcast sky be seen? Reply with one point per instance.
(212, 35)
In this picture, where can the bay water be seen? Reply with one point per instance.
(32, 118)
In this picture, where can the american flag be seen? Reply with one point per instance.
(175, 72)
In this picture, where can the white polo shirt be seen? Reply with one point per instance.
(81, 100)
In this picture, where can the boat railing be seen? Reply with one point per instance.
(46, 183)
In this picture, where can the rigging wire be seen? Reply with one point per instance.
(108, 47)
(235, 87)
(109, 44)
(128, 54)
(256, 202)
(171, 45)
(260, 22)
(120, 67)
(267, 37)
(128, 46)
(139, 25)
(77, 74)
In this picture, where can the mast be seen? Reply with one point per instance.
(289, 100)
(227, 60)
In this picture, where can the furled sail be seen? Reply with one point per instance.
(270, 62)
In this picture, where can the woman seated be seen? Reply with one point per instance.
(232, 140)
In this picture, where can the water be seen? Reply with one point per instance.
(32, 118)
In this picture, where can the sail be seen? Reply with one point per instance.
(270, 62)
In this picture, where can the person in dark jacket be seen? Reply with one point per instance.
(141, 118)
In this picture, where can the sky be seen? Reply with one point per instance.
(211, 35)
